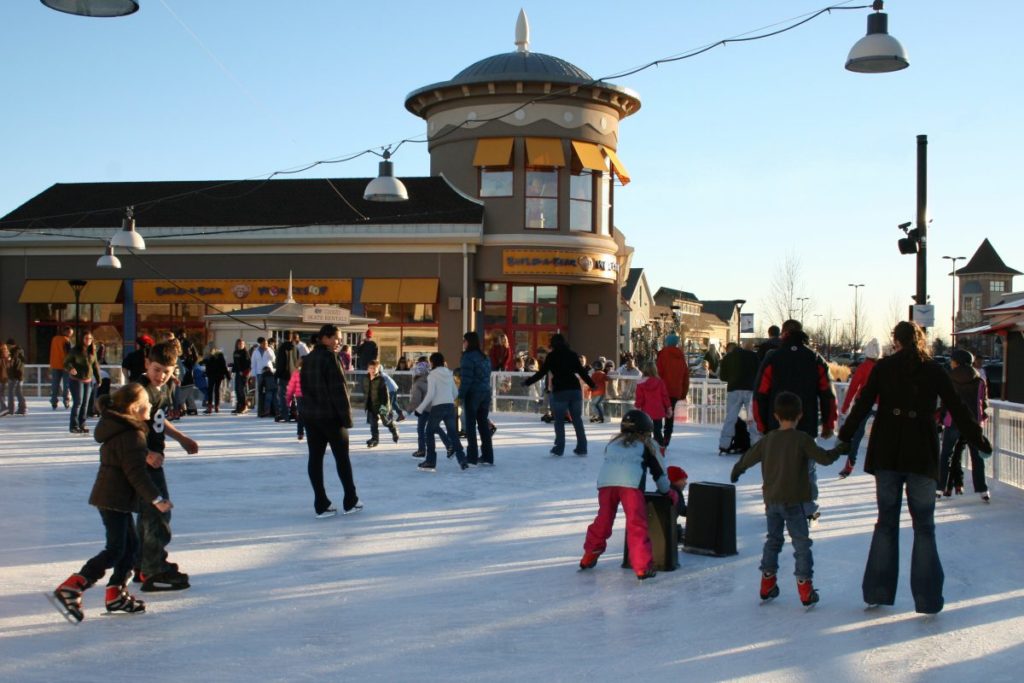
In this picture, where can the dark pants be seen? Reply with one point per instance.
(568, 401)
(266, 394)
(120, 552)
(59, 380)
(476, 407)
(79, 403)
(320, 433)
(659, 436)
(444, 413)
(858, 436)
(240, 382)
(882, 570)
(282, 404)
(154, 529)
(213, 392)
(670, 422)
(951, 469)
(300, 424)
(421, 433)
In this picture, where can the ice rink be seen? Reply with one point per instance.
(472, 576)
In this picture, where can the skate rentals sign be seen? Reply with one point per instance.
(559, 262)
(326, 314)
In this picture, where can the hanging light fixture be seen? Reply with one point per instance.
(108, 260)
(127, 238)
(386, 187)
(94, 8)
(877, 52)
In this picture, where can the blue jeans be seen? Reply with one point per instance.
(282, 405)
(79, 403)
(794, 518)
(882, 570)
(59, 387)
(597, 407)
(421, 433)
(476, 409)
(120, 552)
(571, 401)
(266, 394)
(858, 436)
(444, 413)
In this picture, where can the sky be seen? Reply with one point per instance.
(741, 157)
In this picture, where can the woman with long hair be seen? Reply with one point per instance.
(903, 453)
(500, 355)
(80, 364)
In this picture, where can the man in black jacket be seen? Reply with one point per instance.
(566, 395)
(738, 370)
(287, 357)
(327, 413)
(366, 351)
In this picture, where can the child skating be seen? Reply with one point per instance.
(121, 481)
(626, 459)
(783, 454)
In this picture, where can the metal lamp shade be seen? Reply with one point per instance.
(127, 238)
(386, 187)
(108, 260)
(877, 52)
(94, 8)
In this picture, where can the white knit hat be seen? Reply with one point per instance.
(873, 349)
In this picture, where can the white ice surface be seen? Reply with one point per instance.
(472, 576)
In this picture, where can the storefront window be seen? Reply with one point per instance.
(527, 314)
(542, 199)
(496, 182)
(604, 209)
(547, 294)
(418, 313)
(385, 313)
(495, 292)
(581, 202)
(522, 294)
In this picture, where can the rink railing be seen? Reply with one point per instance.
(705, 405)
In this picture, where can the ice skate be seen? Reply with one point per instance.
(808, 596)
(120, 600)
(68, 597)
(589, 560)
(769, 586)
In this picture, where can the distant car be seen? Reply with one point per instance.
(994, 372)
(847, 358)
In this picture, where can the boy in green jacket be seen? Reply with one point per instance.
(783, 454)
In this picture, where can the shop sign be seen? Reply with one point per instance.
(242, 291)
(558, 262)
(326, 314)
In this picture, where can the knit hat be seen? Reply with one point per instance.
(676, 474)
(873, 349)
(962, 357)
(369, 333)
(671, 339)
(420, 369)
(145, 340)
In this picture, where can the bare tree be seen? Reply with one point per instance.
(781, 303)
(858, 323)
(897, 312)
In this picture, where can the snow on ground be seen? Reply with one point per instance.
(472, 576)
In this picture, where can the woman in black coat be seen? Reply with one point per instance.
(216, 373)
(904, 452)
(241, 365)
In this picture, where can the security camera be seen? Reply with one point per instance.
(904, 226)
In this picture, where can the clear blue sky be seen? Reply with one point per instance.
(739, 156)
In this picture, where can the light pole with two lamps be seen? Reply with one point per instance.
(803, 300)
(952, 314)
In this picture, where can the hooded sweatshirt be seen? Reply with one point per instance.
(440, 389)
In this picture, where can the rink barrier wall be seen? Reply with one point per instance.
(705, 405)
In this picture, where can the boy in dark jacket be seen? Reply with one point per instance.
(970, 387)
(378, 404)
(784, 453)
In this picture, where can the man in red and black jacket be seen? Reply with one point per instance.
(795, 367)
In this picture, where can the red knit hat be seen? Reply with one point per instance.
(676, 474)
(369, 333)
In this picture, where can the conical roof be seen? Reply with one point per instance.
(986, 260)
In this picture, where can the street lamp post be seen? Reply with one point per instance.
(952, 314)
(830, 328)
(77, 286)
(856, 315)
(802, 300)
(739, 319)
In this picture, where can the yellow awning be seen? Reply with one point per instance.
(544, 152)
(493, 152)
(617, 166)
(418, 291)
(380, 291)
(60, 292)
(589, 155)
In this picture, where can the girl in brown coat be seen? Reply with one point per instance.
(122, 480)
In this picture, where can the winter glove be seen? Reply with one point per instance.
(984, 446)
(383, 411)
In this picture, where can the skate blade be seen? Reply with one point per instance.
(57, 605)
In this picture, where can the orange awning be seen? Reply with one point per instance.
(544, 152)
(380, 291)
(418, 291)
(617, 166)
(493, 152)
(589, 155)
(60, 292)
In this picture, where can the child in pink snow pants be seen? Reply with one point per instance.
(626, 459)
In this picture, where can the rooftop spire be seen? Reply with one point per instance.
(522, 32)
